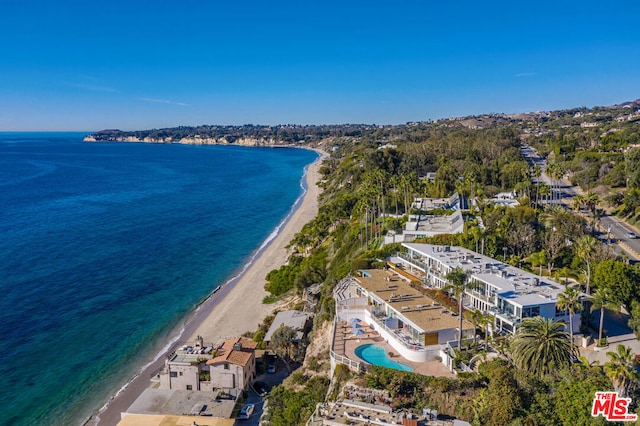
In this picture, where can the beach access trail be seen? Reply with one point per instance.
(236, 308)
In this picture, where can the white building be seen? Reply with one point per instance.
(415, 325)
(508, 293)
(427, 204)
(423, 226)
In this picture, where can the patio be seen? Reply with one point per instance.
(346, 342)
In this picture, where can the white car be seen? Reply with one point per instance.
(630, 235)
(246, 411)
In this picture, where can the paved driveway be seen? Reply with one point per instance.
(618, 332)
(272, 380)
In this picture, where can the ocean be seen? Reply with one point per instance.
(106, 247)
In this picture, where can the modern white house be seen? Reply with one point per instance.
(508, 293)
(427, 204)
(415, 325)
(423, 226)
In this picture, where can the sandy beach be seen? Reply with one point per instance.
(243, 309)
(236, 308)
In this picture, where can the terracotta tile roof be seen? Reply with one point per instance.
(235, 356)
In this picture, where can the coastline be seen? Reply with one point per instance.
(231, 309)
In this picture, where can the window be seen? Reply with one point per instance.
(189, 387)
(181, 373)
(561, 313)
(226, 365)
(173, 374)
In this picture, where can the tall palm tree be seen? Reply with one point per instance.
(585, 249)
(458, 283)
(569, 300)
(536, 172)
(602, 300)
(541, 346)
(621, 369)
(545, 192)
(591, 201)
(555, 172)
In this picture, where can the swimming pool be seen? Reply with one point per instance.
(377, 355)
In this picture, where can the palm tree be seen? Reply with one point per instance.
(458, 283)
(602, 300)
(585, 249)
(591, 201)
(621, 369)
(555, 172)
(535, 173)
(538, 258)
(569, 300)
(541, 346)
(584, 365)
(545, 191)
(577, 202)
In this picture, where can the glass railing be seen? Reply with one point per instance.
(416, 262)
(417, 347)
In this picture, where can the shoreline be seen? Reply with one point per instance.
(242, 295)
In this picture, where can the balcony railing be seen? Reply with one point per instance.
(416, 262)
(414, 347)
(509, 317)
(341, 359)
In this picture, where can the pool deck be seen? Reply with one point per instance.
(345, 343)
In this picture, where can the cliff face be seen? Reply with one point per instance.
(195, 140)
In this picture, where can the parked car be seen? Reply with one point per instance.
(630, 235)
(271, 365)
(261, 388)
(246, 411)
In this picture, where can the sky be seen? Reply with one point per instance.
(88, 65)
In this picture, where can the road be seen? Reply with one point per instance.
(614, 230)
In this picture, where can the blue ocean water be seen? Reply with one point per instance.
(104, 248)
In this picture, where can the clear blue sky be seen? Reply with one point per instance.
(89, 65)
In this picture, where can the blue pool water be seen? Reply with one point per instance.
(376, 354)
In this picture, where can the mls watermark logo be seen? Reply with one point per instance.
(612, 407)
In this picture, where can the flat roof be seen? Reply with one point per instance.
(293, 319)
(172, 420)
(522, 287)
(429, 223)
(411, 303)
(181, 403)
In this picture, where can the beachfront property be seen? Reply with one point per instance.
(230, 364)
(174, 407)
(297, 320)
(410, 322)
(507, 293)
